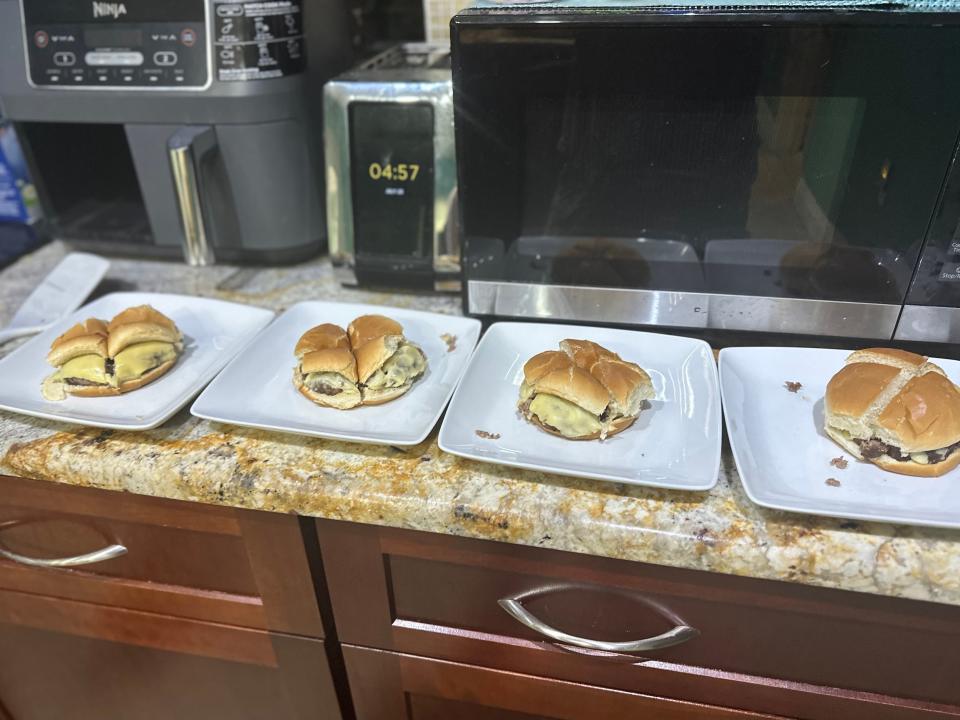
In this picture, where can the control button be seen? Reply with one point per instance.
(165, 57)
(64, 59)
(229, 10)
(113, 58)
(127, 75)
(188, 36)
(41, 39)
(153, 76)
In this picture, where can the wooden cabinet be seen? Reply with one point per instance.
(176, 610)
(393, 686)
(204, 562)
(763, 647)
(63, 658)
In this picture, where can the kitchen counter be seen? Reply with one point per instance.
(421, 488)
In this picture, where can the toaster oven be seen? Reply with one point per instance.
(391, 171)
(785, 167)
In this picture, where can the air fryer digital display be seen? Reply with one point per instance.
(116, 44)
(391, 160)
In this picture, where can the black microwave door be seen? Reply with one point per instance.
(793, 160)
(932, 310)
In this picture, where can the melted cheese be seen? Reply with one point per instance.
(571, 420)
(404, 365)
(86, 367)
(52, 388)
(920, 457)
(138, 359)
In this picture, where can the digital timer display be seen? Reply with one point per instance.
(391, 156)
(401, 172)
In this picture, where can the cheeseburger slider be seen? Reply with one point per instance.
(897, 410)
(326, 371)
(387, 363)
(94, 358)
(80, 356)
(143, 344)
(583, 391)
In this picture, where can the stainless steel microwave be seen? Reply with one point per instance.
(788, 169)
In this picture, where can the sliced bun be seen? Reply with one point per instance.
(591, 377)
(140, 324)
(370, 327)
(575, 385)
(86, 338)
(90, 390)
(900, 399)
(321, 337)
(333, 360)
(629, 385)
(354, 354)
(543, 364)
(374, 353)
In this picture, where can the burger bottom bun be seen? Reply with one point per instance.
(902, 467)
(334, 401)
(908, 467)
(147, 377)
(90, 390)
(379, 397)
(618, 425)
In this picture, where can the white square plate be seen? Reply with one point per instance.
(214, 331)
(257, 390)
(673, 444)
(783, 455)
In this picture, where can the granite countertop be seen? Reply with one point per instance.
(421, 488)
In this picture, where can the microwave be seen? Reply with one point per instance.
(777, 168)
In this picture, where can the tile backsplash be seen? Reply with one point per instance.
(436, 16)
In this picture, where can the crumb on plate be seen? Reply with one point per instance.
(487, 435)
(839, 462)
(450, 340)
(832, 482)
(792, 386)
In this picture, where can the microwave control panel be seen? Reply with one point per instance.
(116, 44)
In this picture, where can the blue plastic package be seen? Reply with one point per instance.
(18, 196)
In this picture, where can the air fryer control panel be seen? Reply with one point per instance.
(122, 44)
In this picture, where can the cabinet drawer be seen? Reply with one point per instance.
(391, 686)
(63, 658)
(211, 563)
(766, 646)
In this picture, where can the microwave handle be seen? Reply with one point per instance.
(186, 149)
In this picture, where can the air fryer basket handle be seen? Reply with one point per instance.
(187, 148)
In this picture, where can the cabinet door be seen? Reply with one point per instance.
(62, 658)
(763, 646)
(391, 686)
(209, 563)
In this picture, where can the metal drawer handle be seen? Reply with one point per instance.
(107, 553)
(674, 636)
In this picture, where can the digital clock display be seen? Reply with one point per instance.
(401, 172)
(391, 154)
